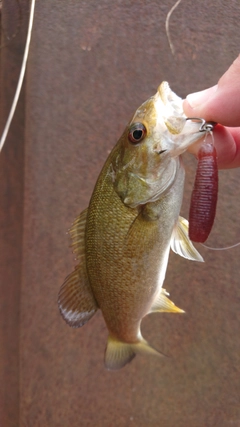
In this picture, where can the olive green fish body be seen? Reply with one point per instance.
(127, 251)
(122, 240)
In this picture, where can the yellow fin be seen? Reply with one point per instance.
(75, 300)
(118, 353)
(181, 244)
(77, 233)
(164, 304)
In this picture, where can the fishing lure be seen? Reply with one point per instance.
(205, 191)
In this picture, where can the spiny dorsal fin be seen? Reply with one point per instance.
(181, 244)
(77, 234)
(164, 304)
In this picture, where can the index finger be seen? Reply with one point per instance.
(220, 103)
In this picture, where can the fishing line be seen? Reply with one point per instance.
(167, 25)
(221, 249)
(21, 77)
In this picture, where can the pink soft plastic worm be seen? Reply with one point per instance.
(204, 195)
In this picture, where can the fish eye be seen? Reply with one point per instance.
(136, 133)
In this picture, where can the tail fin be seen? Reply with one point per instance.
(118, 353)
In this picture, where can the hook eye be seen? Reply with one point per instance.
(207, 127)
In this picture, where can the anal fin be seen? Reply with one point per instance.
(164, 304)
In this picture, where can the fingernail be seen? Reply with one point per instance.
(197, 98)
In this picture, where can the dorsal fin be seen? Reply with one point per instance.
(76, 301)
(77, 234)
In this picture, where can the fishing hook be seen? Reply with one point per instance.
(205, 126)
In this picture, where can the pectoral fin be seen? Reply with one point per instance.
(181, 244)
(164, 304)
(76, 301)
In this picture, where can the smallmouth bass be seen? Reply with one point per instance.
(122, 240)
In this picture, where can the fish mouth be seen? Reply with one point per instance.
(173, 129)
(189, 135)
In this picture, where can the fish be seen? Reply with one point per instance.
(123, 239)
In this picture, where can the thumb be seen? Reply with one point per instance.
(220, 103)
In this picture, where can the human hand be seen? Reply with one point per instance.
(221, 104)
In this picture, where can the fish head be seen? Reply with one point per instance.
(148, 152)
